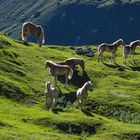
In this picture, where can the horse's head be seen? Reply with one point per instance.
(119, 42)
(48, 85)
(138, 42)
(46, 64)
(90, 86)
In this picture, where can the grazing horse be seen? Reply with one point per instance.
(34, 30)
(130, 50)
(51, 93)
(110, 48)
(73, 62)
(56, 70)
(82, 93)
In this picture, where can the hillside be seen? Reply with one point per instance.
(113, 108)
(74, 22)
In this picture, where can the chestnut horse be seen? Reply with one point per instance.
(130, 50)
(73, 62)
(56, 70)
(110, 48)
(34, 30)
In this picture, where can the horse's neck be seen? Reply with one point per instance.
(51, 65)
(133, 45)
(117, 44)
(85, 87)
(49, 89)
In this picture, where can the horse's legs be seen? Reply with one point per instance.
(85, 100)
(133, 56)
(66, 77)
(82, 66)
(113, 57)
(79, 101)
(55, 79)
(53, 102)
(40, 43)
(24, 36)
(46, 101)
(124, 60)
(98, 58)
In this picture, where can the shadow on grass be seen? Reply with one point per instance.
(86, 112)
(114, 66)
(77, 80)
(134, 66)
(64, 100)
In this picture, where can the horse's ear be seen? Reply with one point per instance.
(90, 82)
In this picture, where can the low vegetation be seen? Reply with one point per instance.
(112, 111)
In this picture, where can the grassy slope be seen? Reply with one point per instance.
(112, 110)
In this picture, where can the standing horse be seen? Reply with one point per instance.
(73, 62)
(110, 48)
(82, 93)
(51, 93)
(34, 30)
(56, 70)
(130, 50)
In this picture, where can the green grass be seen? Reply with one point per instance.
(113, 108)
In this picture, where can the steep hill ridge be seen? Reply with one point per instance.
(71, 22)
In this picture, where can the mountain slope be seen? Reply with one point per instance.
(112, 110)
(74, 22)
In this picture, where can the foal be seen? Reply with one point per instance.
(110, 48)
(34, 30)
(130, 50)
(82, 93)
(51, 93)
(56, 70)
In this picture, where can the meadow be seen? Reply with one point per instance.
(111, 113)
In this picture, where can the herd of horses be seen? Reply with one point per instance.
(67, 66)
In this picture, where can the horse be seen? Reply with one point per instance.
(82, 93)
(110, 48)
(34, 30)
(73, 62)
(51, 93)
(56, 70)
(130, 50)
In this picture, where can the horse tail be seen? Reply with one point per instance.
(42, 35)
(70, 74)
(24, 30)
(22, 34)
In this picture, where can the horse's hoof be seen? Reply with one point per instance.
(25, 43)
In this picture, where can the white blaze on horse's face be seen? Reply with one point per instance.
(90, 86)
